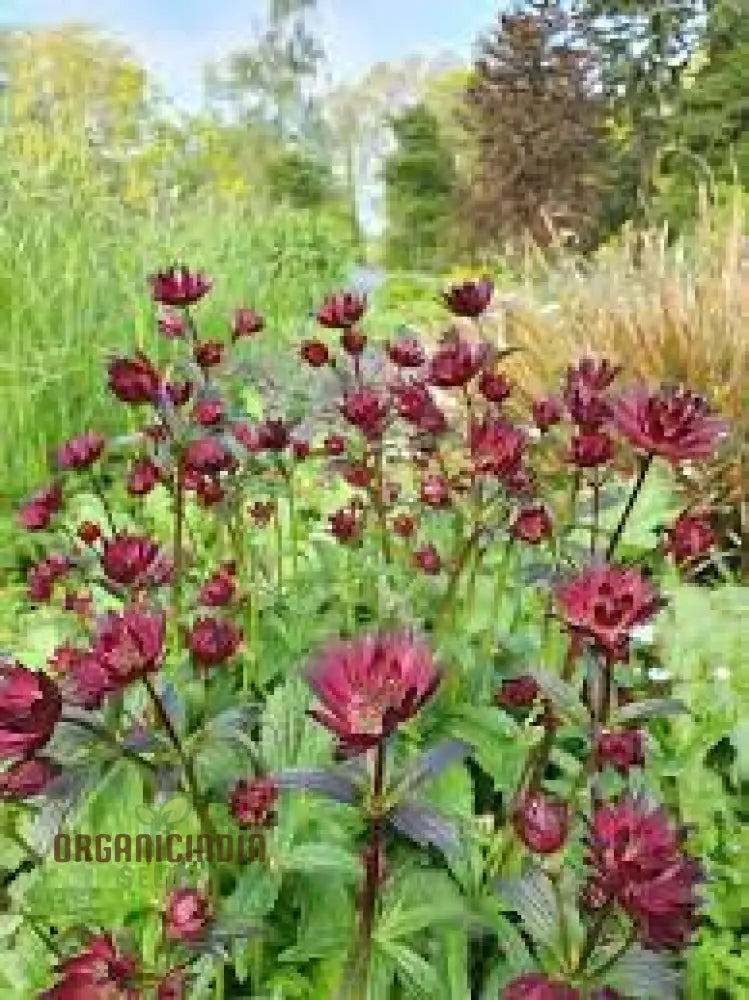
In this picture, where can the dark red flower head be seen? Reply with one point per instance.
(262, 511)
(249, 437)
(435, 492)
(621, 749)
(128, 559)
(342, 310)
(637, 861)
(469, 299)
(89, 532)
(689, 537)
(672, 423)
(212, 641)
(43, 575)
(496, 446)
(404, 525)
(531, 524)
(187, 914)
(415, 404)
(98, 972)
(27, 778)
(427, 559)
(179, 286)
(406, 352)
(494, 386)
(246, 323)
(173, 986)
(547, 411)
(274, 435)
(368, 686)
(315, 353)
(178, 393)
(208, 354)
(590, 449)
(367, 410)
(345, 524)
(596, 374)
(84, 680)
(80, 452)
(134, 380)
(456, 361)
(588, 409)
(353, 341)
(218, 590)
(172, 325)
(30, 706)
(207, 456)
(542, 823)
(142, 478)
(208, 412)
(128, 645)
(536, 986)
(604, 604)
(252, 802)
(517, 692)
(37, 512)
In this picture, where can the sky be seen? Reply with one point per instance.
(174, 38)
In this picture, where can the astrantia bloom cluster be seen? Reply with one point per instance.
(179, 286)
(456, 361)
(80, 452)
(637, 861)
(37, 512)
(536, 986)
(542, 823)
(690, 537)
(187, 914)
(212, 641)
(98, 972)
(27, 778)
(672, 423)
(604, 604)
(253, 800)
(370, 685)
(30, 708)
(341, 310)
(469, 299)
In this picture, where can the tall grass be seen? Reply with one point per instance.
(73, 270)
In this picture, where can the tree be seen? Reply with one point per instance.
(536, 125)
(419, 191)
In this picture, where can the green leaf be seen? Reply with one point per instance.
(315, 858)
(532, 898)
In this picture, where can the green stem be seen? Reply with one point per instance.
(372, 867)
(31, 852)
(619, 953)
(593, 936)
(178, 531)
(279, 549)
(293, 524)
(619, 530)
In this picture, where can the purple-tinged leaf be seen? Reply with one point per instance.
(324, 781)
(432, 763)
(532, 898)
(424, 825)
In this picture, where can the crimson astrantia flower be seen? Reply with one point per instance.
(80, 452)
(494, 386)
(435, 491)
(456, 361)
(517, 692)
(369, 685)
(208, 354)
(496, 446)
(128, 559)
(134, 380)
(43, 575)
(80, 603)
(129, 644)
(274, 435)
(252, 802)
(97, 972)
(209, 491)
(300, 449)
(208, 412)
(187, 914)
(212, 641)
(531, 524)
(546, 411)
(520, 482)
(596, 374)
(404, 525)
(178, 286)
(621, 749)
(178, 393)
(218, 590)
(261, 512)
(536, 986)
(171, 324)
(671, 422)
(414, 403)
(27, 778)
(36, 513)
(427, 559)
(406, 352)
(334, 444)
(357, 475)
(636, 860)
(689, 537)
(30, 706)
(246, 323)
(342, 310)
(89, 532)
(541, 823)
(142, 478)
(345, 524)
(604, 604)
(588, 409)
(590, 449)
(249, 437)
(83, 678)
(173, 986)
(367, 410)
(353, 341)
(315, 353)
(469, 299)
(207, 456)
